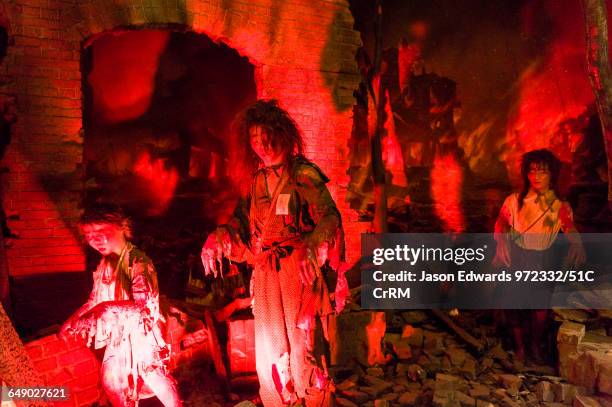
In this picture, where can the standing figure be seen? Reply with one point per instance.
(121, 317)
(287, 227)
(526, 231)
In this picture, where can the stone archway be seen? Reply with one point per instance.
(303, 52)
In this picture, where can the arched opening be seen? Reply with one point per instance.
(158, 108)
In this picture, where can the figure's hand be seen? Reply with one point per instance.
(67, 330)
(502, 254)
(576, 255)
(217, 244)
(79, 328)
(308, 265)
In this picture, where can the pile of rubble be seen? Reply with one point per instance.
(425, 365)
(409, 359)
(200, 386)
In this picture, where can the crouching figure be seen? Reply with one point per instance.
(121, 318)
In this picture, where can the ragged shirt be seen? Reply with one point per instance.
(131, 334)
(304, 211)
(131, 276)
(534, 226)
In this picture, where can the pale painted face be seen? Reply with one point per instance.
(539, 177)
(260, 144)
(106, 238)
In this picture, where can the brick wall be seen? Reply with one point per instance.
(42, 67)
(303, 51)
(74, 366)
(70, 365)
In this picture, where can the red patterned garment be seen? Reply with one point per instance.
(288, 209)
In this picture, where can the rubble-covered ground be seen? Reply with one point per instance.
(427, 364)
(438, 368)
(199, 387)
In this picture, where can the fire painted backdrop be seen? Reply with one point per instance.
(134, 103)
(521, 83)
(133, 100)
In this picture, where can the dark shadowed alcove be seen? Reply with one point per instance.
(158, 108)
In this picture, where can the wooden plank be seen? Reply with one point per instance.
(216, 350)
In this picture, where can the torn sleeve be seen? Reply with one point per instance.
(310, 184)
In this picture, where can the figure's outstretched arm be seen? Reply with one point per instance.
(311, 187)
(69, 327)
(143, 307)
(227, 240)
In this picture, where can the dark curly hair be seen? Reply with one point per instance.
(283, 135)
(106, 212)
(546, 159)
(282, 131)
